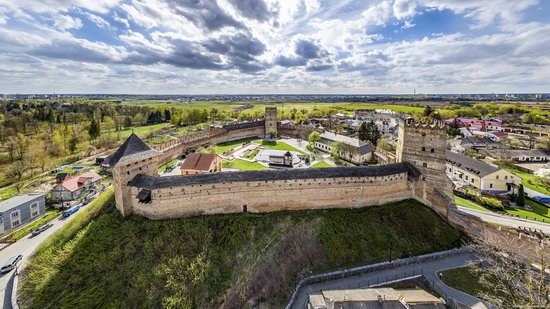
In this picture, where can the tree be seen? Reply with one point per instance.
(95, 130)
(428, 111)
(128, 122)
(454, 128)
(372, 133)
(520, 199)
(314, 137)
(42, 157)
(362, 132)
(16, 172)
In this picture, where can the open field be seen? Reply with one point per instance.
(279, 145)
(102, 260)
(223, 147)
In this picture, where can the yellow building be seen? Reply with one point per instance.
(464, 170)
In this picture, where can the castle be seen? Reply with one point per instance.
(419, 173)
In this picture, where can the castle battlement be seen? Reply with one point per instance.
(434, 124)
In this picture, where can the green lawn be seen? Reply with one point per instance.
(321, 164)
(459, 201)
(223, 147)
(7, 193)
(163, 167)
(279, 145)
(529, 180)
(22, 232)
(243, 165)
(101, 260)
(539, 212)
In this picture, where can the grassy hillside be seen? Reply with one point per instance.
(103, 260)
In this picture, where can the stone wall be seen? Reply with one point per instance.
(278, 195)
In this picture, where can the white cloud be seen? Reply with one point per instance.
(65, 22)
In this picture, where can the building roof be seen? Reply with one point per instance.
(377, 298)
(132, 150)
(155, 182)
(472, 165)
(362, 147)
(526, 153)
(477, 141)
(74, 183)
(18, 200)
(61, 176)
(199, 161)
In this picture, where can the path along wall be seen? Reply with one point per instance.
(273, 195)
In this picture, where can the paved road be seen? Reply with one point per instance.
(26, 247)
(428, 268)
(507, 220)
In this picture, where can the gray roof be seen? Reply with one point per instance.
(527, 153)
(362, 147)
(155, 182)
(19, 200)
(132, 150)
(472, 165)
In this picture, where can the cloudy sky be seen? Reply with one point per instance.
(274, 46)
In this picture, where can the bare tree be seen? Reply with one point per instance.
(16, 172)
(514, 281)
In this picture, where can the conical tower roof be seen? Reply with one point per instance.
(133, 149)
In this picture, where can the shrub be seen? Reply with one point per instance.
(492, 203)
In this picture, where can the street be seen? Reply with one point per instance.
(507, 220)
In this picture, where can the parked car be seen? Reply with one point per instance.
(41, 229)
(70, 211)
(11, 263)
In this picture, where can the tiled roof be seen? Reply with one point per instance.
(468, 164)
(199, 161)
(74, 183)
(527, 153)
(153, 182)
(133, 149)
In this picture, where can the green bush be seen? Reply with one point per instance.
(492, 202)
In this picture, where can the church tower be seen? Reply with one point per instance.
(132, 158)
(270, 122)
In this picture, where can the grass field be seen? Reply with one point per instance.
(321, 164)
(279, 145)
(223, 147)
(243, 165)
(469, 203)
(27, 229)
(101, 260)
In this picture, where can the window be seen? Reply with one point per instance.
(432, 150)
(423, 148)
(35, 210)
(425, 164)
(505, 177)
(491, 185)
(15, 223)
(15, 214)
(497, 177)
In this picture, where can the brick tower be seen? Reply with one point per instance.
(132, 158)
(271, 122)
(423, 145)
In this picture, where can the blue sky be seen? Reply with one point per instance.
(274, 46)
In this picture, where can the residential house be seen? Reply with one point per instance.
(354, 150)
(464, 170)
(72, 187)
(478, 124)
(476, 143)
(374, 298)
(20, 210)
(199, 163)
